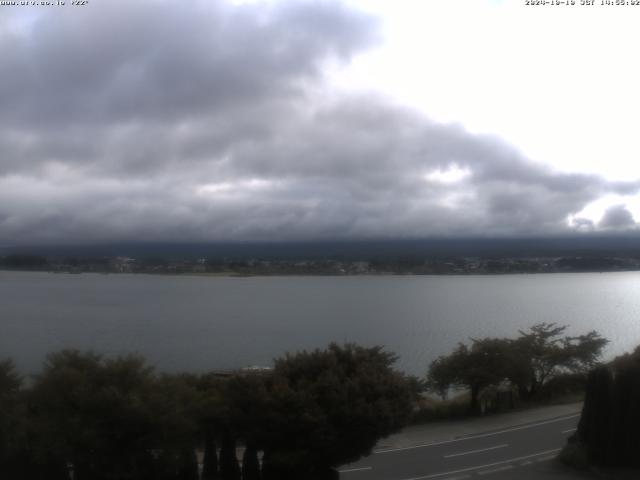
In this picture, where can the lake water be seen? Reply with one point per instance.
(201, 323)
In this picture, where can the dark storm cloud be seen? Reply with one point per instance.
(617, 217)
(201, 121)
(130, 61)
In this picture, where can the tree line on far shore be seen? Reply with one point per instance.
(88, 417)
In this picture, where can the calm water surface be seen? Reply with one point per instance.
(201, 323)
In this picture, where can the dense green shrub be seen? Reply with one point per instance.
(329, 407)
(610, 421)
(116, 419)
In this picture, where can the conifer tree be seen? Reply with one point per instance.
(188, 465)
(250, 463)
(229, 468)
(210, 460)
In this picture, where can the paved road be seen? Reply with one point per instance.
(513, 452)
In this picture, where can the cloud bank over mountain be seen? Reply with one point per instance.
(207, 121)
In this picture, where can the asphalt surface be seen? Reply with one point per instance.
(525, 451)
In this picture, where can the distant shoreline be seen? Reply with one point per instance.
(231, 274)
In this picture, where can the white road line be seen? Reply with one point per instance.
(504, 445)
(545, 459)
(496, 470)
(461, 477)
(472, 437)
(479, 467)
(569, 430)
(355, 469)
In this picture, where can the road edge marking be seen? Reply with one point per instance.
(359, 469)
(478, 467)
(504, 445)
(472, 437)
(496, 470)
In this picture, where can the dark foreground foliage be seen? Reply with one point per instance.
(608, 430)
(117, 419)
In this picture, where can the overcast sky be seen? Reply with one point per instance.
(291, 120)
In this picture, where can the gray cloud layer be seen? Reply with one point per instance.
(158, 120)
(617, 217)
